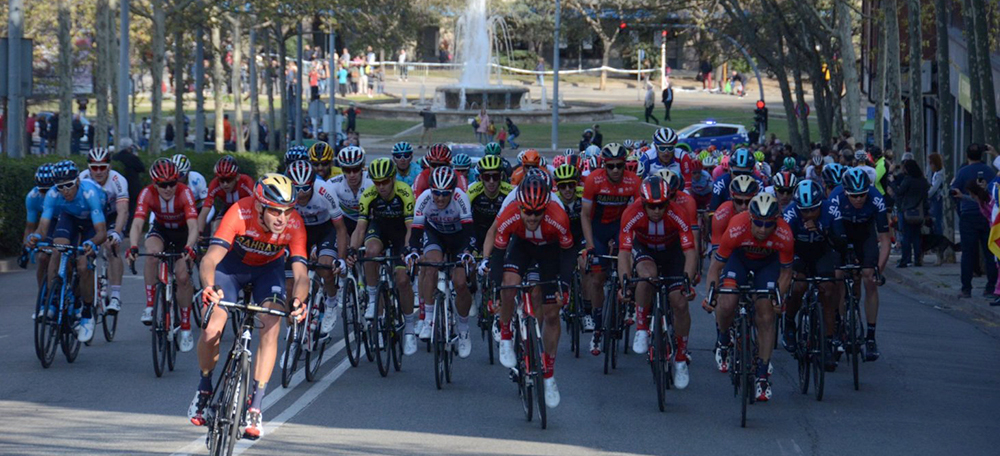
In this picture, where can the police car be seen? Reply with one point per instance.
(710, 133)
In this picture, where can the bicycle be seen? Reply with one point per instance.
(102, 296)
(854, 332)
(810, 337)
(489, 302)
(305, 338)
(386, 334)
(744, 339)
(166, 314)
(55, 319)
(615, 328)
(229, 401)
(528, 373)
(664, 343)
(443, 336)
(354, 301)
(572, 315)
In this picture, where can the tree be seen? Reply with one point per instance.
(65, 80)
(946, 102)
(592, 13)
(984, 68)
(848, 62)
(891, 9)
(102, 71)
(916, 92)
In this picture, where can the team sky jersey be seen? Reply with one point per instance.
(484, 208)
(241, 233)
(720, 221)
(171, 214)
(739, 237)
(554, 227)
(856, 221)
(199, 187)
(398, 209)
(720, 189)
(411, 174)
(609, 198)
(824, 224)
(422, 182)
(350, 201)
(638, 228)
(449, 220)
(243, 189)
(322, 206)
(34, 203)
(88, 203)
(115, 188)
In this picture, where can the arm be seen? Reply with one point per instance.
(300, 287)
(625, 264)
(212, 259)
(192, 239)
(136, 231)
(784, 280)
(714, 270)
(121, 206)
(690, 262)
(883, 250)
(359, 233)
(203, 217)
(488, 242)
(342, 238)
(586, 213)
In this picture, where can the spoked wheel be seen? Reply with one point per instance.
(626, 330)
(47, 329)
(440, 344)
(109, 322)
(577, 316)
(381, 333)
(854, 339)
(658, 358)
(817, 347)
(397, 333)
(158, 331)
(195, 311)
(670, 342)
(537, 374)
(233, 407)
(745, 368)
(609, 332)
(173, 334)
(314, 357)
(351, 317)
(290, 357)
(802, 353)
(524, 380)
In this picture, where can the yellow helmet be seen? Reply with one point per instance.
(274, 190)
(381, 168)
(321, 152)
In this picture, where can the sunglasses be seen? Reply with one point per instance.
(170, 184)
(534, 213)
(322, 164)
(811, 210)
(784, 191)
(566, 185)
(99, 167)
(610, 166)
(740, 202)
(382, 182)
(228, 180)
(764, 223)
(43, 190)
(406, 155)
(276, 212)
(441, 192)
(656, 207)
(302, 188)
(353, 170)
(489, 177)
(857, 196)
(665, 148)
(66, 185)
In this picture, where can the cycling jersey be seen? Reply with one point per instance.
(574, 212)
(411, 174)
(689, 207)
(455, 221)
(554, 227)
(610, 198)
(422, 182)
(35, 203)
(398, 208)
(639, 229)
(814, 254)
(484, 208)
(857, 222)
(701, 189)
(738, 237)
(243, 189)
(349, 199)
(243, 235)
(823, 224)
(87, 204)
(171, 214)
(322, 207)
(720, 189)
(115, 189)
(651, 163)
(720, 221)
(199, 187)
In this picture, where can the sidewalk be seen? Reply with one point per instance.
(943, 284)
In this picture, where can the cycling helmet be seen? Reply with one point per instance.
(462, 161)
(664, 138)
(442, 178)
(301, 173)
(558, 161)
(321, 152)
(789, 164)
(759, 156)
(493, 149)
(226, 167)
(628, 144)
(531, 158)
(674, 181)
(640, 168)
(817, 160)
(182, 163)
(592, 151)
(541, 174)
(99, 155)
(296, 153)
(855, 181)
(709, 162)
(589, 164)
(533, 193)
(641, 143)
(655, 190)
(65, 171)
(696, 167)
(724, 162)
(742, 159)
(490, 163)
(440, 154)
(832, 174)
(381, 169)
(861, 156)
(808, 195)
(764, 206)
(274, 190)
(744, 186)
(402, 147)
(163, 170)
(44, 178)
(542, 162)
(785, 179)
(614, 151)
(569, 152)
(632, 164)
(351, 157)
(566, 172)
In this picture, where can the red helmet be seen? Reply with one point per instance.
(655, 190)
(439, 153)
(632, 165)
(226, 167)
(533, 193)
(163, 170)
(696, 167)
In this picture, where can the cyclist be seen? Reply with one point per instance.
(762, 166)
(495, 149)
(402, 156)
(657, 233)
(248, 249)
(833, 175)
(606, 194)
(321, 158)
(384, 220)
(741, 163)
(34, 202)
(860, 208)
(229, 185)
(439, 155)
(462, 164)
(326, 232)
(175, 230)
(115, 215)
(811, 222)
(193, 179)
(486, 196)
(351, 184)
(442, 227)
(757, 240)
(79, 205)
(783, 186)
(294, 154)
(661, 156)
(534, 230)
(530, 160)
(742, 189)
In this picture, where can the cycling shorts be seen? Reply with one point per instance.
(766, 271)
(110, 219)
(351, 225)
(866, 249)
(323, 237)
(603, 232)
(449, 244)
(75, 229)
(268, 280)
(816, 259)
(669, 261)
(522, 256)
(174, 240)
(392, 237)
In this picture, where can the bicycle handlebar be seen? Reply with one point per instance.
(526, 285)
(253, 308)
(159, 256)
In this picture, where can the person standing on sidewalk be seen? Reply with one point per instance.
(935, 195)
(667, 98)
(973, 226)
(403, 73)
(430, 123)
(911, 197)
(650, 103)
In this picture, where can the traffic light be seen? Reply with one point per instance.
(622, 26)
(760, 115)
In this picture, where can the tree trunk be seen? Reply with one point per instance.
(800, 98)
(879, 86)
(946, 103)
(199, 91)
(65, 80)
(894, 78)
(969, 33)
(269, 86)
(821, 100)
(786, 99)
(254, 104)
(102, 71)
(220, 140)
(159, 49)
(113, 46)
(916, 93)
(283, 84)
(180, 132)
(237, 73)
(991, 134)
(848, 59)
(604, 61)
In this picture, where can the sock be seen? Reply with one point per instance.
(185, 318)
(150, 295)
(598, 318)
(463, 324)
(682, 348)
(548, 365)
(641, 323)
(761, 368)
(422, 309)
(258, 395)
(86, 310)
(871, 331)
(410, 320)
(587, 307)
(116, 291)
(429, 313)
(723, 338)
(505, 332)
(205, 382)
(331, 303)
(371, 294)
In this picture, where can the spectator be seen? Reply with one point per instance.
(352, 118)
(598, 139)
(502, 137)
(667, 98)
(29, 126)
(484, 126)
(430, 123)
(43, 134)
(587, 139)
(935, 195)
(53, 133)
(911, 197)
(380, 80)
(314, 83)
(342, 80)
(491, 131)
(650, 104)
(512, 133)
(706, 75)
(403, 71)
(973, 226)
(144, 131)
(540, 68)
(133, 169)
(227, 130)
(168, 134)
(77, 134)
(345, 58)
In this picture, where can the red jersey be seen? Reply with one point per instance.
(610, 198)
(243, 189)
(242, 234)
(554, 227)
(690, 208)
(422, 182)
(172, 213)
(739, 237)
(720, 221)
(672, 227)
(687, 169)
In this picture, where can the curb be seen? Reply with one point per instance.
(9, 264)
(949, 301)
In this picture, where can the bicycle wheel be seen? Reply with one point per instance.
(439, 342)
(290, 357)
(537, 372)
(349, 314)
(670, 342)
(382, 333)
(577, 315)
(173, 332)
(157, 331)
(67, 338)
(53, 327)
(626, 330)
(109, 322)
(609, 331)
(817, 347)
(314, 357)
(658, 357)
(41, 320)
(525, 382)
(802, 354)
(854, 339)
(397, 333)
(240, 402)
(745, 366)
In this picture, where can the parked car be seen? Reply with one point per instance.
(710, 133)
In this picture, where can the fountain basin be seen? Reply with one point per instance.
(499, 97)
(577, 111)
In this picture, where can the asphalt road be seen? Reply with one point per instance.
(935, 391)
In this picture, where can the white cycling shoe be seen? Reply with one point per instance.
(681, 374)
(114, 306)
(426, 329)
(551, 393)
(370, 311)
(588, 323)
(186, 341)
(329, 320)
(85, 330)
(507, 353)
(640, 344)
(409, 344)
(464, 345)
(147, 316)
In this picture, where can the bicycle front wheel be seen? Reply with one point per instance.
(536, 370)
(158, 331)
(314, 357)
(382, 333)
(352, 328)
(290, 357)
(817, 347)
(658, 357)
(47, 329)
(802, 353)
(745, 368)
(855, 336)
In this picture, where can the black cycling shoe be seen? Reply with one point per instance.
(871, 350)
(831, 361)
(788, 339)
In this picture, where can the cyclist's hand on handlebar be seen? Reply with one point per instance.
(191, 254)
(298, 311)
(467, 258)
(484, 267)
(89, 247)
(32, 240)
(339, 267)
(352, 257)
(115, 238)
(211, 295)
(411, 258)
(708, 306)
(132, 253)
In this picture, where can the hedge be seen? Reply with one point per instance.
(17, 177)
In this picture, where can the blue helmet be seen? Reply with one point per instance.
(402, 147)
(296, 153)
(64, 171)
(44, 178)
(808, 195)
(461, 161)
(832, 174)
(742, 158)
(856, 181)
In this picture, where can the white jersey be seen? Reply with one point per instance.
(322, 207)
(349, 200)
(872, 174)
(449, 220)
(116, 188)
(513, 196)
(198, 185)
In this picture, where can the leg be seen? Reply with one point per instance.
(991, 267)
(969, 246)
(764, 320)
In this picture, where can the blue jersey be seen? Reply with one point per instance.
(411, 175)
(720, 190)
(88, 202)
(35, 203)
(855, 220)
(824, 224)
(651, 164)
